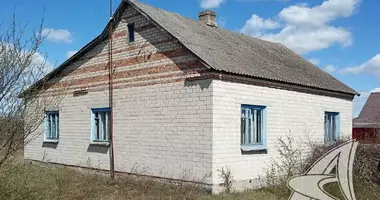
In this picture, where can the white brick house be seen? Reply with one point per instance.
(189, 98)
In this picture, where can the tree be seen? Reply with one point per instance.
(21, 65)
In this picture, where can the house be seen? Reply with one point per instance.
(189, 98)
(366, 127)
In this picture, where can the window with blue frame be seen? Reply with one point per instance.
(51, 125)
(100, 124)
(131, 32)
(253, 127)
(332, 126)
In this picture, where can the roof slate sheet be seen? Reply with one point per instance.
(370, 113)
(233, 52)
(227, 51)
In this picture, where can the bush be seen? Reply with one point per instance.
(283, 167)
(366, 172)
(227, 177)
(291, 162)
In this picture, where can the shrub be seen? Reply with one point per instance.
(286, 165)
(366, 171)
(227, 177)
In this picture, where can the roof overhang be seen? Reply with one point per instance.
(366, 125)
(116, 17)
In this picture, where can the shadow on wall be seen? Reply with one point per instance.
(97, 149)
(254, 152)
(205, 84)
(49, 145)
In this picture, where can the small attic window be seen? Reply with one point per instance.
(131, 32)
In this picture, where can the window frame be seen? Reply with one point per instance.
(131, 33)
(336, 132)
(255, 146)
(47, 128)
(93, 127)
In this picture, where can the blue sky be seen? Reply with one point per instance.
(339, 36)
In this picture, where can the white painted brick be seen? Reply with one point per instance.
(143, 137)
(179, 130)
(286, 111)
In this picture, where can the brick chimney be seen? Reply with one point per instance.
(208, 17)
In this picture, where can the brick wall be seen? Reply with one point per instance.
(152, 59)
(162, 121)
(292, 112)
(165, 130)
(367, 135)
(160, 130)
(168, 122)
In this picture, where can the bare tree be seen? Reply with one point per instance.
(21, 65)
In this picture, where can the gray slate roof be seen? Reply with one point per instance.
(370, 113)
(226, 51)
(236, 53)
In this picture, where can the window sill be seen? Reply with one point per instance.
(252, 147)
(51, 141)
(106, 144)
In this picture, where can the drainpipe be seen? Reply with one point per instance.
(110, 73)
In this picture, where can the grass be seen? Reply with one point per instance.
(19, 180)
(30, 181)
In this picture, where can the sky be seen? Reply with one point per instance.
(339, 36)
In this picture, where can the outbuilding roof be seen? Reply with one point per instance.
(370, 114)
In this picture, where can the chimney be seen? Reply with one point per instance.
(208, 17)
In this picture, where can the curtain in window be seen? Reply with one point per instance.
(102, 125)
(251, 126)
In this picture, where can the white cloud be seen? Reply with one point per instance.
(39, 66)
(263, 0)
(70, 53)
(327, 68)
(41, 60)
(372, 66)
(57, 35)
(222, 22)
(319, 15)
(315, 61)
(32, 66)
(36, 61)
(257, 25)
(330, 69)
(308, 39)
(305, 29)
(360, 101)
(207, 4)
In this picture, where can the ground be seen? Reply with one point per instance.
(23, 180)
(20, 180)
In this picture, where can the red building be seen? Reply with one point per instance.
(366, 127)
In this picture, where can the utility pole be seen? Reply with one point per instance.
(110, 73)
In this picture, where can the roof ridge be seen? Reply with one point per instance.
(233, 52)
(218, 27)
(171, 12)
(228, 51)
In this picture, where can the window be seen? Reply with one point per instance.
(131, 32)
(100, 124)
(331, 126)
(51, 125)
(253, 127)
